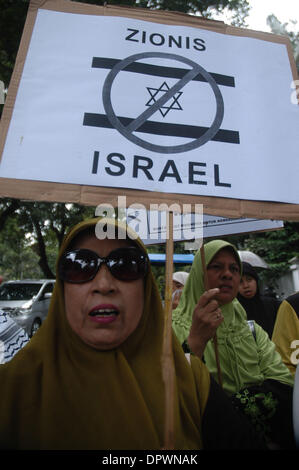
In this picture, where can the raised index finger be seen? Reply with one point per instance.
(207, 296)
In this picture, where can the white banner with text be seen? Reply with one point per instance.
(120, 102)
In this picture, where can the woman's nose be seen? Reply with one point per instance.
(226, 272)
(103, 282)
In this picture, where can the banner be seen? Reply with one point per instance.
(109, 101)
(151, 226)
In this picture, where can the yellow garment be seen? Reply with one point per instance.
(59, 393)
(286, 334)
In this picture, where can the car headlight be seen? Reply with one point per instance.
(26, 306)
(23, 312)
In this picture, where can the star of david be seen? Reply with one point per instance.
(156, 93)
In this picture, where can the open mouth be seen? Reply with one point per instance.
(104, 312)
(247, 292)
(225, 287)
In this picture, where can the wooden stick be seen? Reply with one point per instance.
(167, 356)
(206, 286)
(204, 268)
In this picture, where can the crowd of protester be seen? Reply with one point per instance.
(234, 355)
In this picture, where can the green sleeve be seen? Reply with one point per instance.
(271, 364)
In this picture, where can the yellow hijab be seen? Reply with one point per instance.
(59, 393)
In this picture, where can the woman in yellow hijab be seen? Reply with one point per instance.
(91, 377)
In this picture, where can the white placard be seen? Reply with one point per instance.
(214, 226)
(151, 226)
(120, 102)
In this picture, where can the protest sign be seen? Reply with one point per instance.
(156, 105)
(173, 106)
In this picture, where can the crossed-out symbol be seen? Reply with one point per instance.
(127, 131)
(164, 110)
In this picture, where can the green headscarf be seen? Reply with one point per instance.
(60, 393)
(244, 361)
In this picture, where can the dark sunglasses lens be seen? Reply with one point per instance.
(127, 264)
(78, 266)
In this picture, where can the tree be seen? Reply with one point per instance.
(282, 28)
(17, 259)
(7, 208)
(35, 230)
(277, 248)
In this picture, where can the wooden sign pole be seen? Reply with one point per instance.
(206, 284)
(168, 371)
(167, 356)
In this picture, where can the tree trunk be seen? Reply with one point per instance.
(43, 260)
(8, 211)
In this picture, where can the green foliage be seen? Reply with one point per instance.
(19, 263)
(159, 270)
(12, 20)
(17, 259)
(277, 248)
(203, 7)
(284, 29)
(30, 236)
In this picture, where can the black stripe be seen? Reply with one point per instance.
(161, 128)
(95, 162)
(10, 331)
(159, 71)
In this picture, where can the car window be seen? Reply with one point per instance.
(16, 291)
(47, 289)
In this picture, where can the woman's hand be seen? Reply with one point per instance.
(207, 317)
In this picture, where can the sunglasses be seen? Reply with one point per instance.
(82, 265)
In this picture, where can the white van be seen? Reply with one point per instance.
(27, 301)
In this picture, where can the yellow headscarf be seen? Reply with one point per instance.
(59, 393)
